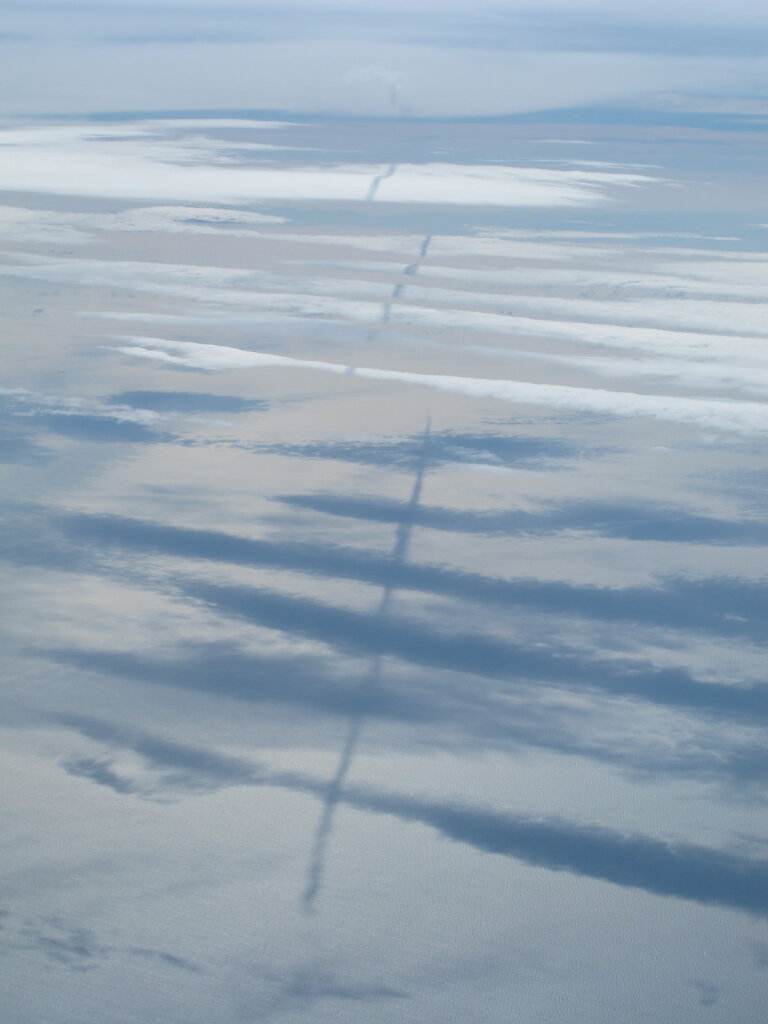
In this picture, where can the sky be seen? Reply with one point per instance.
(376, 59)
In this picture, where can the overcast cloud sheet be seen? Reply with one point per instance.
(383, 439)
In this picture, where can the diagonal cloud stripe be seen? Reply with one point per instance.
(741, 417)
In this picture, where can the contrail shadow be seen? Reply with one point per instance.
(373, 188)
(409, 271)
(334, 792)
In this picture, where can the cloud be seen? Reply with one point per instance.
(302, 682)
(705, 278)
(99, 429)
(136, 162)
(187, 402)
(84, 419)
(77, 947)
(99, 771)
(680, 314)
(55, 227)
(724, 605)
(165, 959)
(310, 983)
(682, 870)
(684, 349)
(202, 766)
(741, 417)
(477, 654)
(701, 361)
(282, 989)
(513, 244)
(711, 606)
(73, 946)
(18, 448)
(32, 402)
(759, 951)
(646, 522)
(447, 710)
(447, 448)
(748, 377)
(709, 993)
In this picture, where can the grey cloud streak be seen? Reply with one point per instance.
(633, 522)
(463, 712)
(727, 605)
(477, 654)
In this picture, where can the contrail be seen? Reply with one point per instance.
(334, 792)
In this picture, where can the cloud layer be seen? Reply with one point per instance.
(743, 417)
(139, 162)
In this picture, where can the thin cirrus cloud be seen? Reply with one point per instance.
(52, 226)
(718, 278)
(679, 323)
(130, 417)
(691, 361)
(684, 314)
(22, 402)
(743, 376)
(667, 338)
(512, 244)
(742, 417)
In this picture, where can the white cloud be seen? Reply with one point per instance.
(31, 403)
(54, 227)
(606, 235)
(722, 279)
(749, 377)
(743, 417)
(256, 293)
(404, 245)
(503, 244)
(133, 161)
(679, 313)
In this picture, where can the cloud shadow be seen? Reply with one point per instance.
(649, 522)
(681, 870)
(186, 402)
(719, 605)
